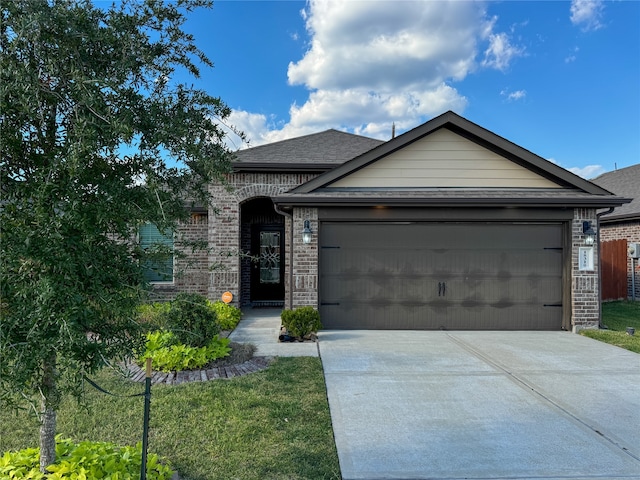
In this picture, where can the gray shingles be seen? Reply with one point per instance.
(328, 147)
(625, 183)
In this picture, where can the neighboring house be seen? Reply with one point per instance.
(448, 226)
(624, 222)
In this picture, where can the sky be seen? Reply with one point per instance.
(559, 78)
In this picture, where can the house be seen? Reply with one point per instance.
(620, 228)
(448, 226)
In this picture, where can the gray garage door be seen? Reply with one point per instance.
(417, 276)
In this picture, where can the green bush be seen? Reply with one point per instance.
(301, 321)
(84, 460)
(227, 316)
(191, 320)
(168, 354)
(153, 314)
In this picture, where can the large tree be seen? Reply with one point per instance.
(97, 137)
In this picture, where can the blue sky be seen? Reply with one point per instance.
(559, 78)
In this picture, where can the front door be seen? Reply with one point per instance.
(267, 269)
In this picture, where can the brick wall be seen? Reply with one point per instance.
(225, 226)
(630, 231)
(305, 259)
(190, 264)
(585, 298)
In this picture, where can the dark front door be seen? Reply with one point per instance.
(267, 271)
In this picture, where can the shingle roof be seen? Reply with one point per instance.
(625, 183)
(322, 150)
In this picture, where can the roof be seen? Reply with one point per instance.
(316, 152)
(624, 182)
(575, 191)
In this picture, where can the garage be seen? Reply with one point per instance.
(441, 275)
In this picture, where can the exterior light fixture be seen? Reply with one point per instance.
(589, 233)
(306, 232)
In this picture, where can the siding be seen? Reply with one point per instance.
(444, 159)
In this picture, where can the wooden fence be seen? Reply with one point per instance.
(613, 262)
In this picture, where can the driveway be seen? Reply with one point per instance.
(482, 405)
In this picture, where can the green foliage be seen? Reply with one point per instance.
(152, 314)
(84, 460)
(227, 315)
(79, 85)
(301, 321)
(168, 354)
(191, 320)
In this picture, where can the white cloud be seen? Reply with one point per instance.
(513, 96)
(590, 171)
(500, 52)
(587, 14)
(373, 63)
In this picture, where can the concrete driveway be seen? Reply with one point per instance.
(482, 405)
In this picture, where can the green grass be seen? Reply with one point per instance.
(617, 316)
(274, 424)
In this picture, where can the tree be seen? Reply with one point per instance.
(97, 139)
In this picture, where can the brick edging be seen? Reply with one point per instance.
(256, 364)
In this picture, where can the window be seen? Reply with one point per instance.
(158, 268)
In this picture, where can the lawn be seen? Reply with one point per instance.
(274, 424)
(617, 316)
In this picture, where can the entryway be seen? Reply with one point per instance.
(262, 269)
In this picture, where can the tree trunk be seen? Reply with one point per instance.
(49, 405)
(47, 437)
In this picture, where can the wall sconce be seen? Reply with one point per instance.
(589, 233)
(306, 232)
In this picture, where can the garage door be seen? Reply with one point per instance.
(454, 276)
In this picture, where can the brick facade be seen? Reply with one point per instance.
(225, 233)
(585, 288)
(220, 269)
(191, 265)
(629, 231)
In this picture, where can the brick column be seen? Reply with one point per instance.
(585, 291)
(305, 259)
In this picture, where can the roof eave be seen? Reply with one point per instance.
(480, 202)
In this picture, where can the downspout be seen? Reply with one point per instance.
(290, 215)
(598, 215)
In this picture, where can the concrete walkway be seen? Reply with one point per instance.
(472, 405)
(261, 326)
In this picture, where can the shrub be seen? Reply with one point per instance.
(227, 316)
(301, 321)
(83, 460)
(191, 320)
(167, 354)
(153, 314)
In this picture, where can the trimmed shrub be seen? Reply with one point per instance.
(301, 321)
(227, 316)
(83, 460)
(191, 320)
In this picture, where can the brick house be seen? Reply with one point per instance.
(448, 226)
(623, 223)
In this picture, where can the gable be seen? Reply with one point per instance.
(443, 159)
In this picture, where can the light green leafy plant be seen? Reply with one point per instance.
(227, 316)
(167, 354)
(83, 461)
